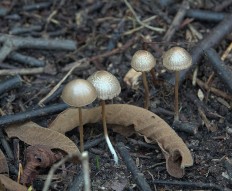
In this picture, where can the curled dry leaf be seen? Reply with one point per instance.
(131, 78)
(33, 134)
(3, 164)
(11, 185)
(143, 122)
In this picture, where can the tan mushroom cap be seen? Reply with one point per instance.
(143, 61)
(79, 93)
(177, 59)
(106, 84)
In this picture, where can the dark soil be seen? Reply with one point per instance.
(102, 26)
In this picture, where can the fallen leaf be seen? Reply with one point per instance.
(143, 121)
(11, 185)
(33, 134)
(131, 78)
(3, 164)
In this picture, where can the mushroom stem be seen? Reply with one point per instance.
(153, 76)
(81, 130)
(112, 150)
(146, 91)
(176, 115)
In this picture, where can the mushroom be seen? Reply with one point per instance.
(143, 61)
(177, 59)
(108, 87)
(79, 93)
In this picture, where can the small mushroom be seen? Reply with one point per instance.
(143, 61)
(176, 59)
(79, 93)
(108, 87)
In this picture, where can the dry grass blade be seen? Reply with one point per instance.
(3, 163)
(33, 134)
(144, 122)
(11, 185)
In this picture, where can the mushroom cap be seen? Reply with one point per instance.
(143, 61)
(106, 84)
(177, 59)
(78, 93)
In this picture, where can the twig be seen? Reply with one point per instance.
(93, 143)
(77, 183)
(11, 43)
(220, 68)
(137, 175)
(36, 6)
(23, 71)
(222, 5)
(139, 21)
(189, 184)
(10, 83)
(213, 90)
(21, 30)
(205, 15)
(176, 21)
(187, 127)
(228, 165)
(209, 126)
(214, 37)
(28, 115)
(28, 60)
(84, 160)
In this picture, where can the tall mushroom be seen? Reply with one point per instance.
(108, 87)
(79, 93)
(143, 61)
(177, 59)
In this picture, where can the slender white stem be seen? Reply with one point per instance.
(85, 166)
(113, 152)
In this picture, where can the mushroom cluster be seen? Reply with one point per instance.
(79, 93)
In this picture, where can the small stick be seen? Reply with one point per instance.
(214, 90)
(146, 93)
(139, 21)
(176, 21)
(24, 71)
(11, 43)
(37, 6)
(220, 68)
(28, 115)
(189, 184)
(187, 127)
(93, 143)
(10, 83)
(28, 60)
(205, 15)
(131, 166)
(222, 5)
(83, 158)
(152, 71)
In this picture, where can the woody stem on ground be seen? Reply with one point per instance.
(152, 71)
(81, 130)
(176, 117)
(112, 150)
(146, 91)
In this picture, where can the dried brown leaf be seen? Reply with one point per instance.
(144, 122)
(11, 185)
(33, 134)
(3, 164)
